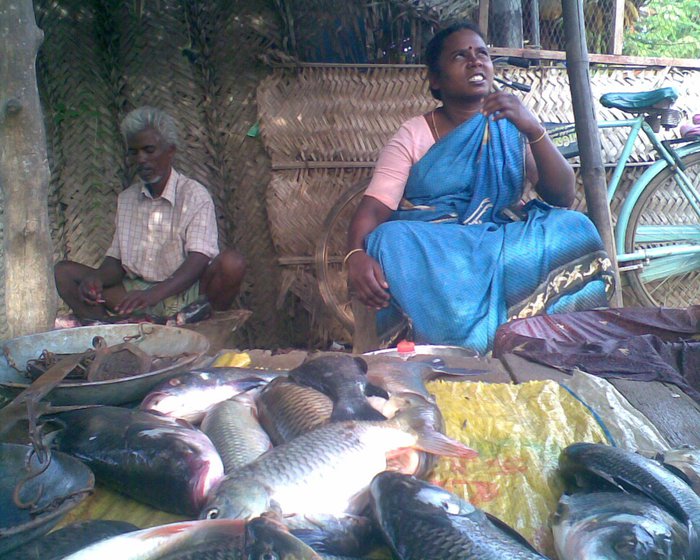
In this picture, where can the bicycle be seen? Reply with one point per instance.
(658, 254)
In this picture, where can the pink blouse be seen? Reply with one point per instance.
(406, 147)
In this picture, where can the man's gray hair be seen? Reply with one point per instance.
(145, 117)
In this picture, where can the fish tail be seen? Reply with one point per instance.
(440, 444)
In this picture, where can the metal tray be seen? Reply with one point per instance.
(429, 350)
(157, 340)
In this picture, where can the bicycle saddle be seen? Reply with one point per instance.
(635, 102)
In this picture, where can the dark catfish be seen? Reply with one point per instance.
(344, 379)
(157, 460)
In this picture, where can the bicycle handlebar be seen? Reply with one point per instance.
(513, 61)
(515, 85)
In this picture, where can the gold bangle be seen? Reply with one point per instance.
(544, 133)
(345, 260)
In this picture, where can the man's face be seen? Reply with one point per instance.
(151, 155)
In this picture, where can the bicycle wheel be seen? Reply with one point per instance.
(663, 217)
(330, 249)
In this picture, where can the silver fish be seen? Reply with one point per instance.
(616, 526)
(287, 410)
(233, 428)
(592, 462)
(423, 521)
(218, 539)
(398, 376)
(189, 395)
(326, 471)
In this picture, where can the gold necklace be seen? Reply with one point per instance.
(435, 130)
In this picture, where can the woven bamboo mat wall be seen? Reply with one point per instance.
(198, 60)
(323, 127)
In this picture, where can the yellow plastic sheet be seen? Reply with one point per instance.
(519, 432)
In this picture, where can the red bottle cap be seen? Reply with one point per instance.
(406, 347)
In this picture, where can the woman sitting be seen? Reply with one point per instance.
(440, 234)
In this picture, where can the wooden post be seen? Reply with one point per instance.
(618, 28)
(592, 170)
(535, 38)
(30, 296)
(484, 19)
(507, 30)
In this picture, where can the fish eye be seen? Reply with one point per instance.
(212, 513)
(269, 555)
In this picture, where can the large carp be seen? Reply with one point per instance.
(586, 463)
(616, 526)
(422, 521)
(326, 471)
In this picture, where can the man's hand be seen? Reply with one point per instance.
(366, 280)
(90, 290)
(135, 300)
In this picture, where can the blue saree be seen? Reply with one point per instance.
(458, 267)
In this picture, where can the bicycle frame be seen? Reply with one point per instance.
(669, 158)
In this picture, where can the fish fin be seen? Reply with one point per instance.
(440, 444)
(361, 363)
(454, 372)
(508, 530)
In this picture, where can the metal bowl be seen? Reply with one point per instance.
(157, 340)
(429, 350)
(62, 486)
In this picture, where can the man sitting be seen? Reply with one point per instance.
(165, 249)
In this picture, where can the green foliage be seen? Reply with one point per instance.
(668, 28)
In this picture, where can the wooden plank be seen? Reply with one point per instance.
(484, 18)
(537, 54)
(364, 336)
(532, 54)
(674, 413)
(618, 27)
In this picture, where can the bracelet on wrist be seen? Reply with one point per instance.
(540, 137)
(350, 253)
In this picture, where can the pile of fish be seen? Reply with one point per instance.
(329, 460)
(624, 506)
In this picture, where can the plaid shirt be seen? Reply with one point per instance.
(154, 235)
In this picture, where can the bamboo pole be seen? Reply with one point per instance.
(592, 170)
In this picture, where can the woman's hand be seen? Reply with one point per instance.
(508, 106)
(366, 280)
(554, 179)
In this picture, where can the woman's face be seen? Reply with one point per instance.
(466, 71)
